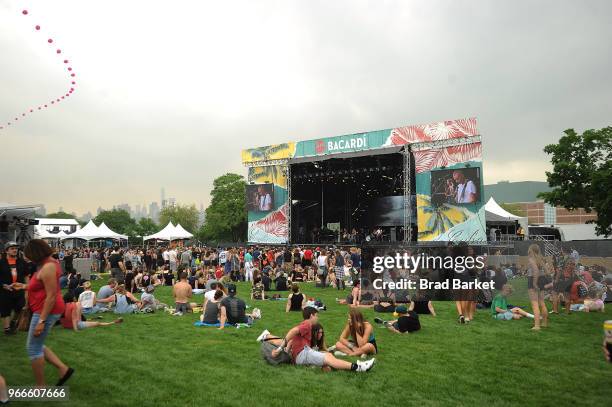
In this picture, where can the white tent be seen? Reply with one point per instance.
(182, 233)
(167, 233)
(87, 232)
(108, 233)
(495, 213)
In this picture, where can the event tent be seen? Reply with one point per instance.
(170, 232)
(182, 233)
(87, 232)
(108, 233)
(496, 214)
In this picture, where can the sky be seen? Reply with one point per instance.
(169, 92)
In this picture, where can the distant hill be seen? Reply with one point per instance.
(523, 191)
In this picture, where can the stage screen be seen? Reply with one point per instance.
(260, 197)
(389, 211)
(456, 187)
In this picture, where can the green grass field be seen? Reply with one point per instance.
(159, 359)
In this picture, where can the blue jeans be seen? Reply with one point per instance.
(36, 344)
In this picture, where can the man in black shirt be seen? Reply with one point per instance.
(233, 309)
(13, 272)
(117, 266)
(266, 280)
(408, 321)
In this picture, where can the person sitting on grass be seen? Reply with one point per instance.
(421, 304)
(258, 291)
(302, 353)
(296, 300)
(182, 292)
(317, 343)
(124, 301)
(407, 321)
(210, 314)
(281, 282)
(71, 319)
(357, 338)
(233, 309)
(87, 299)
(106, 291)
(499, 306)
(148, 302)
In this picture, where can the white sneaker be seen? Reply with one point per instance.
(363, 356)
(338, 353)
(364, 366)
(178, 314)
(263, 335)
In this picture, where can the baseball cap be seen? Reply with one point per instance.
(10, 244)
(231, 288)
(401, 309)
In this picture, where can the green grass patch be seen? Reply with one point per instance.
(159, 359)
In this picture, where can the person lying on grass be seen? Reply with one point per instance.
(296, 300)
(407, 321)
(303, 354)
(182, 292)
(317, 343)
(499, 306)
(357, 338)
(422, 305)
(71, 319)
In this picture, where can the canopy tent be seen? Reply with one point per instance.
(496, 214)
(182, 233)
(87, 232)
(169, 233)
(41, 233)
(108, 233)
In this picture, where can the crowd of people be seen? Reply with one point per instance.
(275, 273)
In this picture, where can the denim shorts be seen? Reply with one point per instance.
(35, 344)
(504, 316)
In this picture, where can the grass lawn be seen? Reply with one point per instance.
(158, 359)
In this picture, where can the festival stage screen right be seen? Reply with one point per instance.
(456, 186)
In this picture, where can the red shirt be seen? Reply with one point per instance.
(219, 273)
(12, 262)
(307, 254)
(302, 339)
(37, 294)
(66, 319)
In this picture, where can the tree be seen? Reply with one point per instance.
(226, 214)
(59, 215)
(513, 208)
(582, 175)
(186, 215)
(118, 220)
(146, 227)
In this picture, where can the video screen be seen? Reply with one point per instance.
(389, 211)
(260, 197)
(459, 186)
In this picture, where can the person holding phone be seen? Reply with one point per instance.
(13, 279)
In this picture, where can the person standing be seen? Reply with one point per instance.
(12, 297)
(117, 266)
(173, 260)
(535, 286)
(322, 267)
(47, 306)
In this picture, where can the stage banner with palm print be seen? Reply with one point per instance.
(436, 221)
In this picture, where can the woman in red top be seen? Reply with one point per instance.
(46, 303)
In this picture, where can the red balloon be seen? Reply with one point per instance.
(24, 12)
(53, 101)
(71, 89)
(67, 94)
(69, 68)
(59, 51)
(58, 100)
(38, 107)
(72, 74)
(73, 82)
(62, 97)
(45, 105)
(49, 40)
(31, 110)
(65, 61)
(23, 114)
(37, 27)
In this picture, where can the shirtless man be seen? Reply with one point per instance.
(182, 293)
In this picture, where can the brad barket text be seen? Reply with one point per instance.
(424, 284)
(425, 261)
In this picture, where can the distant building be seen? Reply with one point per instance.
(100, 210)
(42, 210)
(154, 211)
(87, 217)
(540, 213)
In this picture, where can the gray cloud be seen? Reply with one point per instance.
(168, 96)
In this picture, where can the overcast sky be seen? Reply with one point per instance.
(169, 92)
